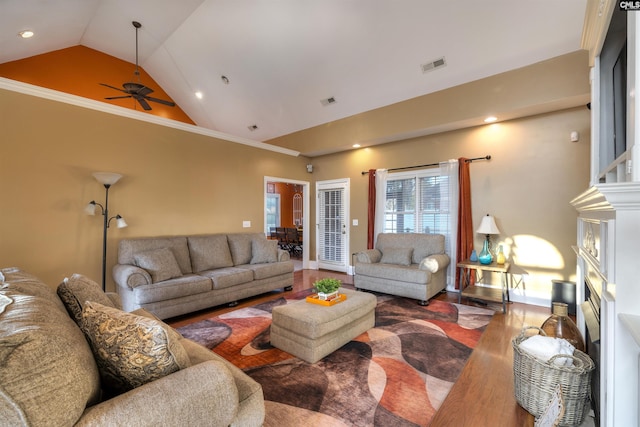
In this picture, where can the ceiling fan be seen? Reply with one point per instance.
(138, 91)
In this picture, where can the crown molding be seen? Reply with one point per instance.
(54, 95)
(596, 23)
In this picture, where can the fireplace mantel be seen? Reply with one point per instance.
(609, 242)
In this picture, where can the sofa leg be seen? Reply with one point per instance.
(288, 288)
(423, 303)
(233, 303)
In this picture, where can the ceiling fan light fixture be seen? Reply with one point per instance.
(137, 90)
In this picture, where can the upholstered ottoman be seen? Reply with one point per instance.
(311, 331)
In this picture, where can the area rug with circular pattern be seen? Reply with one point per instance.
(395, 374)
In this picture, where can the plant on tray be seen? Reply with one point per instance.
(327, 288)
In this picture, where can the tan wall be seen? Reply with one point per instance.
(174, 182)
(534, 171)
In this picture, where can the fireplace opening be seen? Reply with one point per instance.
(591, 310)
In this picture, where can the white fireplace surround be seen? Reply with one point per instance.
(608, 246)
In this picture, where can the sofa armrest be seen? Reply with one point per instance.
(283, 255)
(435, 262)
(200, 395)
(130, 276)
(370, 256)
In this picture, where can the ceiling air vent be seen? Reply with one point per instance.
(328, 101)
(430, 66)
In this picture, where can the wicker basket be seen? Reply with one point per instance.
(535, 381)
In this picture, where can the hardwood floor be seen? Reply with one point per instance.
(483, 394)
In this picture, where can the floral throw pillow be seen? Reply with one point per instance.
(130, 350)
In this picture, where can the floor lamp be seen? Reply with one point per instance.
(107, 179)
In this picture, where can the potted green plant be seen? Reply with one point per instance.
(327, 288)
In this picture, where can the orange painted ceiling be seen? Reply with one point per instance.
(79, 70)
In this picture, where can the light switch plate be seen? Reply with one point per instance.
(354, 222)
(246, 224)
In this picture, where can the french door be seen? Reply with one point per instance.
(332, 228)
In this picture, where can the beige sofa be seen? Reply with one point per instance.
(50, 376)
(170, 276)
(410, 265)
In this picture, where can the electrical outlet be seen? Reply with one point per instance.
(354, 222)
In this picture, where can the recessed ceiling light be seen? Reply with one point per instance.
(198, 95)
(490, 119)
(26, 34)
(356, 145)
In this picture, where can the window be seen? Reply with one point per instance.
(297, 210)
(273, 211)
(417, 202)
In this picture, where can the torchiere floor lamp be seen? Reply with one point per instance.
(107, 179)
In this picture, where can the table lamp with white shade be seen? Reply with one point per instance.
(487, 226)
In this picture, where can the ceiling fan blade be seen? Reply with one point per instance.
(144, 103)
(161, 101)
(119, 97)
(113, 87)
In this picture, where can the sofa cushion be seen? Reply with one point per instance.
(160, 263)
(227, 277)
(423, 244)
(265, 271)
(209, 252)
(130, 350)
(127, 248)
(170, 289)
(74, 291)
(399, 256)
(410, 274)
(47, 371)
(240, 245)
(264, 251)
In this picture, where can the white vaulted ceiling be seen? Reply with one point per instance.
(283, 57)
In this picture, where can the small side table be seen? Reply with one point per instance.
(480, 292)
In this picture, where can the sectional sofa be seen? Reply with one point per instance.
(170, 276)
(73, 358)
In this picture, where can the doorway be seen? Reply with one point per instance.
(286, 207)
(332, 228)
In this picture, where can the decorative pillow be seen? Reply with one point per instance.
(399, 256)
(130, 350)
(160, 263)
(74, 291)
(264, 251)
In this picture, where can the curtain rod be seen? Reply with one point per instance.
(487, 157)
